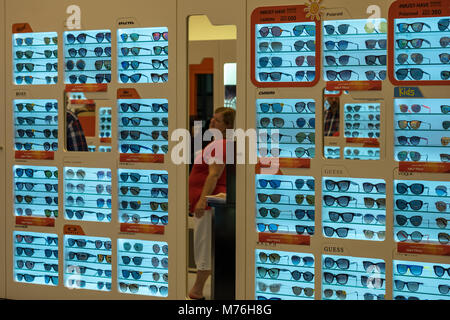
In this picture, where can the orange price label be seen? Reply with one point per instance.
(296, 239)
(73, 230)
(86, 87)
(142, 157)
(21, 28)
(423, 248)
(141, 228)
(432, 167)
(127, 93)
(284, 163)
(368, 142)
(35, 221)
(354, 85)
(105, 140)
(34, 155)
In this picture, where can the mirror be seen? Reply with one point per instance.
(211, 85)
(88, 123)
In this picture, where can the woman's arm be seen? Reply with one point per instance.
(215, 172)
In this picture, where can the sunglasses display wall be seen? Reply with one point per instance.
(421, 211)
(286, 128)
(355, 50)
(421, 49)
(143, 126)
(354, 208)
(35, 58)
(35, 258)
(285, 52)
(87, 263)
(282, 275)
(143, 55)
(87, 56)
(421, 281)
(143, 267)
(353, 278)
(87, 194)
(35, 191)
(143, 197)
(35, 125)
(285, 204)
(422, 130)
(362, 120)
(105, 122)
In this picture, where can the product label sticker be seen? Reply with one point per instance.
(278, 238)
(407, 92)
(422, 248)
(35, 221)
(431, 167)
(70, 229)
(141, 228)
(146, 158)
(34, 155)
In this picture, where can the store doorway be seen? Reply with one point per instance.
(211, 85)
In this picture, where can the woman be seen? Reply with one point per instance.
(207, 178)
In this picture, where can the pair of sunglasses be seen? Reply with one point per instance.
(340, 29)
(82, 37)
(30, 106)
(30, 66)
(274, 31)
(135, 36)
(99, 78)
(82, 52)
(31, 133)
(29, 54)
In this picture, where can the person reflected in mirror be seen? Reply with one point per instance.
(207, 178)
(331, 117)
(76, 140)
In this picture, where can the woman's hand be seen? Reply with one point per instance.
(199, 209)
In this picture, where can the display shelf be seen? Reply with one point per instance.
(421, 130)
(282, 275)
(353, 278)
(415, 280)
(35, 58)
(143, 267)
(143, 55)
(420, 52)
(87, 56)
(421, 212)
(35, 258)
(288, 200)
(286, 128)
(87, 194)
(87, 262)
(35, 191)
(362, 120)
(285, 52)
(143, 197)
(143, 126)
(354, 208)
(355, 50)
(30, 113)
(361, 153)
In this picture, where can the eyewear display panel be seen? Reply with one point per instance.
(142, 267)
(354, 50)
(285, 204)
(104, 124)
(143, 197)
(286, 128)
(35, 58)
(362, 120)
(415, 280)
(282, 275)
(143, 126)
(421, 130)
(143, 55)
(35, 258)
(421, 49)
(285, 52)
(353, 278)
(87, 194)
(87, 56)
(35, 191)
(35, 125)
(354, 208)
(421, 211)
(87, 263)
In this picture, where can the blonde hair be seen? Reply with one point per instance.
(229, 116)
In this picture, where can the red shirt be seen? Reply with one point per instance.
(216, 150)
